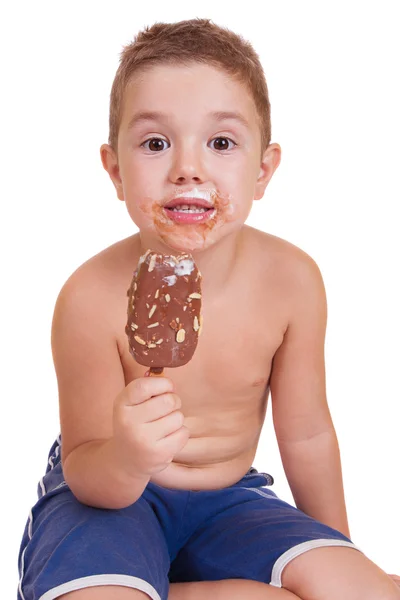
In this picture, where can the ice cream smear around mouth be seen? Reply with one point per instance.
(189, 219)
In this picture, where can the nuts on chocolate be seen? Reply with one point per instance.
(180, 336)
(165, 297)
(152, 262)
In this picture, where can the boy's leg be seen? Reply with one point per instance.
(105, 592)
(228, 589)
(337, 572)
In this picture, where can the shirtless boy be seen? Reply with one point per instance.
(152, 492)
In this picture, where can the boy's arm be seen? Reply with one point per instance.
(305, 433)
(90, 376)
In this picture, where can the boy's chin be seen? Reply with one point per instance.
(194, 240)
(168, 244)
(185, 245)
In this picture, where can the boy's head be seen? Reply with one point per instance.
(192, 71)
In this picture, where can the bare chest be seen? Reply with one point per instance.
(227, 379)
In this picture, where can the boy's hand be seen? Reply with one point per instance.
(148, 425)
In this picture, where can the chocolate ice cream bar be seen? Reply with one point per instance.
(164, 311)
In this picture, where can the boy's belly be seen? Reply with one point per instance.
(224, 405)
(210, 462)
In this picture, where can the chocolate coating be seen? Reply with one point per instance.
(164, 310)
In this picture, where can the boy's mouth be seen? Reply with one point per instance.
(189, 210)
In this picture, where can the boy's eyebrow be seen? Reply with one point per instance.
(219, 115)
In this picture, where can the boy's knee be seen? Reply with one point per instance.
(337, 572)
(106, 592)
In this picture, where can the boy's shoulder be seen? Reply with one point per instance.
(278, 255)
(110, 268)
(285, 274)
(96, 291)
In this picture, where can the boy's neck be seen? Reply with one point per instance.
(216, 264)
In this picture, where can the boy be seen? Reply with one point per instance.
(151, 493)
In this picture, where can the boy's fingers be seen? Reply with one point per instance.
(170, 423)
(175, 441)
(157, 408)
(143, 388)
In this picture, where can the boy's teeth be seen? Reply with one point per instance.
(186, 208)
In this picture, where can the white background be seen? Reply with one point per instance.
(332, 72)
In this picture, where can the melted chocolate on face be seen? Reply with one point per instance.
(165, 225)
(189, 237)
(164, 310)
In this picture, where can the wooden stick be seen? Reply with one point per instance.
(156, 371)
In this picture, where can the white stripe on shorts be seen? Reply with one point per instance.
(97, 580)
(289, 555)
(22, 574)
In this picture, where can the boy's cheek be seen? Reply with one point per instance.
(141, 215)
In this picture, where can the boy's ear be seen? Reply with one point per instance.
(269, 164)
(110, 163)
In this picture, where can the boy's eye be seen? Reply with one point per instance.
(155, 144)
(225, 143)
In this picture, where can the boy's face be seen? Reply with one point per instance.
(189, 151)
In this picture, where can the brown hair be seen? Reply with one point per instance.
(185, 43)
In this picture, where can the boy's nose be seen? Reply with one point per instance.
(187, 166)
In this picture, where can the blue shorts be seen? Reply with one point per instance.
(239, 532)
